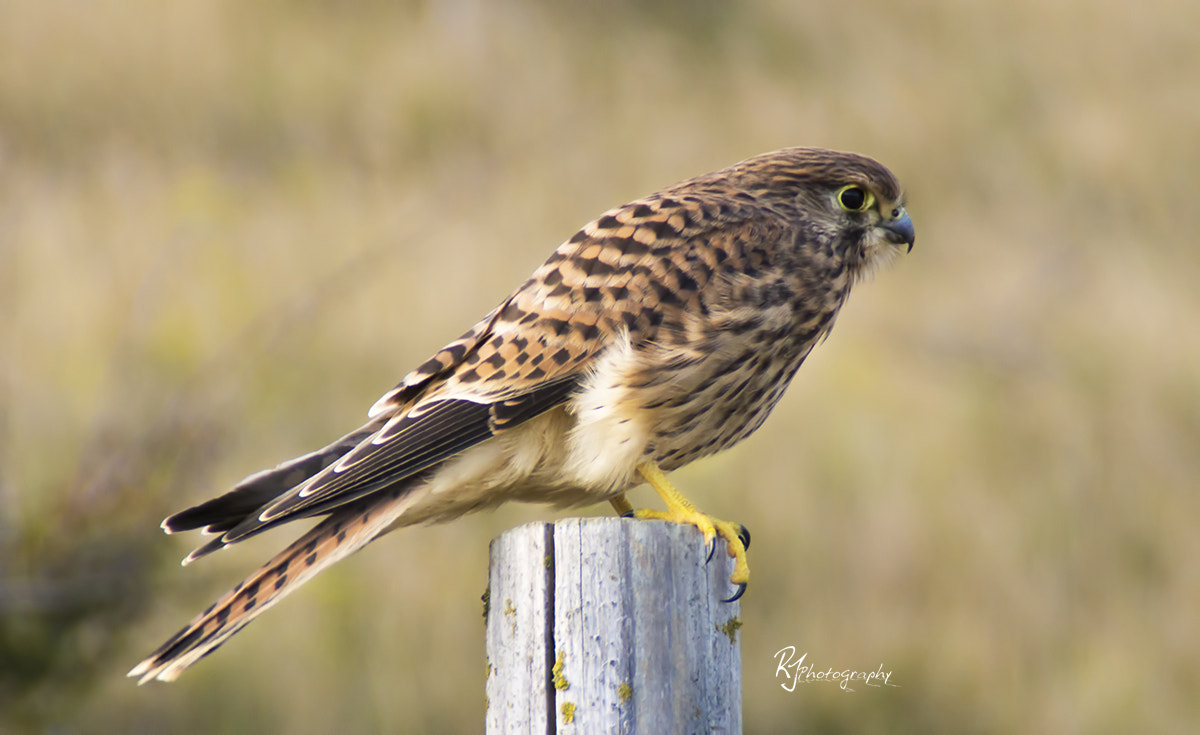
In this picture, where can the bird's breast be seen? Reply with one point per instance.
(674, 403)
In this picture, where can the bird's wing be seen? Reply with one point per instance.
(413, 428)
(222, 513)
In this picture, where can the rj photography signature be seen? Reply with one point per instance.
(796, 671)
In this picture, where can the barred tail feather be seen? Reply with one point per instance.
(345, 531)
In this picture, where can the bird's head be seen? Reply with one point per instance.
(851, 202)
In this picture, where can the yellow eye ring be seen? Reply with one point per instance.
(854, 198)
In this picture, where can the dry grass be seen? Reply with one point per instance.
(226, 228)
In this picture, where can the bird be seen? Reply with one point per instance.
(663, 331)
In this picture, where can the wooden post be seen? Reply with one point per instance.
(611, 625)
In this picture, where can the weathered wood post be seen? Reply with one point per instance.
(611, 625)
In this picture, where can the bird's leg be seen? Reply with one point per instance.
(681, 510)
(624, 508)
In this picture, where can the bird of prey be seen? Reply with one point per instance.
(661, 332)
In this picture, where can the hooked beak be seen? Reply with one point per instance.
(900, 230)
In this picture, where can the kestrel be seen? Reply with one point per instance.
(661, 332)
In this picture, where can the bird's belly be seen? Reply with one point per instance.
(528, 462)
(721, 412)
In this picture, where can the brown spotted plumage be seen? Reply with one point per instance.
(661, 332)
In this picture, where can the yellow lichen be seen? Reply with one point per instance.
(568, 712)
(624, 692)
(560, 681)
(730, 628)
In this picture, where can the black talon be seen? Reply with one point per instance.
(737, 595)
(629, 514)
(744, 535)
(712, 549)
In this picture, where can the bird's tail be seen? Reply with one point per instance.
(345, 531)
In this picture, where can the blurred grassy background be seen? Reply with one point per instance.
(226, 228)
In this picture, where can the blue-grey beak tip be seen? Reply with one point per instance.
(901, 230)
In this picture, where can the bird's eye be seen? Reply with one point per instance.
(854, 198)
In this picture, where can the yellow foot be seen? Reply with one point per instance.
(680, 510)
